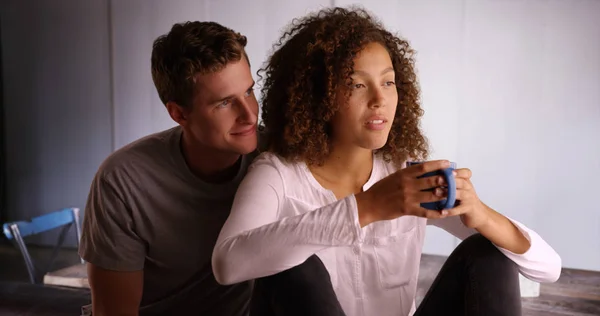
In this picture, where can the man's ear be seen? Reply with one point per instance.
(177, 113)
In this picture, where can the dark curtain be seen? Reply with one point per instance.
(2, 143)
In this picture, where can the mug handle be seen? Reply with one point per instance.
(451, 198)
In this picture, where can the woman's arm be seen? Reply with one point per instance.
(255, 242)
(535, 258)
(539, 262)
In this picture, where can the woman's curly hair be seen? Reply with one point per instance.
(312, 58)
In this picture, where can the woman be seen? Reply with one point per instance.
(328, 220)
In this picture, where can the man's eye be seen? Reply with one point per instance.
(224, 103)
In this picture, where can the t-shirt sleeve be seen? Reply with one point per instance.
(108, 238)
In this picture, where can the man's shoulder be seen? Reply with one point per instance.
(273, 159)
(139, 151)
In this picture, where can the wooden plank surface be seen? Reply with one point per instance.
(25, 299)
(73, 276)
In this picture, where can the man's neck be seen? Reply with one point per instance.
(350, 166)
(209, 164)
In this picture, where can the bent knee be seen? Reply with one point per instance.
(479, 248)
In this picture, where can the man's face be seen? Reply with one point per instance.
(224, 111)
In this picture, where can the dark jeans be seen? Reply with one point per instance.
(476, 279)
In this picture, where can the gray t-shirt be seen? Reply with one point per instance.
(146, 210)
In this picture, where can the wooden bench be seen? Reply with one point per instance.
(73, 276)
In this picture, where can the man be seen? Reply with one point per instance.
(156, 206)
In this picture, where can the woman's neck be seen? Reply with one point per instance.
(345, 168)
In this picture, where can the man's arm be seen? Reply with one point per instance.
(112, 248)
(114, 292)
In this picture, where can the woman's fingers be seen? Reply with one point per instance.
(425, 167)
(429, 182)
(428, 196)
(459, 210)
(463, 184)
(432, 214)
(464, 173)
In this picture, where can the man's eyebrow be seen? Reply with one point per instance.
(232, 95)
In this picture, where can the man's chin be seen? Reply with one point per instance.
(247, 151)
(244, 149)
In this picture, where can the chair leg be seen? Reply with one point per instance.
(77, 229)
(21, 244)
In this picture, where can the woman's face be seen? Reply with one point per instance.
(365, 119)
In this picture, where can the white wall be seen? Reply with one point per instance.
(511, 89)
(530, 117)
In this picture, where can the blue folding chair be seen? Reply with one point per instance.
(16, 231)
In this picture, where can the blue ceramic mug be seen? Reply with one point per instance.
(450, 200)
